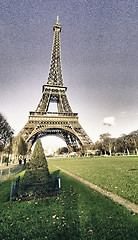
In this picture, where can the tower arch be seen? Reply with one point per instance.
(66, 134)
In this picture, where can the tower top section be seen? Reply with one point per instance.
(57, 25)
(55, 73)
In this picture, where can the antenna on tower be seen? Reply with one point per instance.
(57, 19)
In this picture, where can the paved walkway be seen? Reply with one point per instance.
(130, 206)
(4, 166)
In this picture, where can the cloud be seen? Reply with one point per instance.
(110, 121)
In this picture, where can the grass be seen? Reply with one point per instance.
(79, 213)
(5, 188)
(118, 175)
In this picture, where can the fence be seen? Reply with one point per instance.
(5, 174)
(29, 191)
(14, 187)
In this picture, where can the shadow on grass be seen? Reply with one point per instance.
(55, 174)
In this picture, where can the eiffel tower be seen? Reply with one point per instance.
(63, 123)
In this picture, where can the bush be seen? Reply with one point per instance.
(38, 159)
(38, 167)
(37, 179)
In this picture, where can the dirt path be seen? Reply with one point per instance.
(130, 206)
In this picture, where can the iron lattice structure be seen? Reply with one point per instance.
(63, 123)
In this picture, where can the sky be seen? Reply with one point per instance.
(99, 54)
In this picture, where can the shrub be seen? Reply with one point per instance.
(38, 167)
(38, 159)
(37, 179)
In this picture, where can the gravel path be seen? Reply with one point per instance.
(130, 206)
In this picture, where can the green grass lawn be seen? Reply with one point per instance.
(80, 213)
(115, 174)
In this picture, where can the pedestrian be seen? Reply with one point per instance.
(20, 161)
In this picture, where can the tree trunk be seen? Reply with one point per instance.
(128, 153)
(110, 151)
(1, 158)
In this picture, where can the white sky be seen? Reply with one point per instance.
(99, 52)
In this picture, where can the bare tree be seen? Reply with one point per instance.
(107, 142)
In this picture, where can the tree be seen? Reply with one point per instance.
(119, 145)
(126, 143)
(98, 146)
(130, 143)
(133, 138)
(36, 178)
(62, 150)
(20, 147)
(38, 167)
(111, 145)
(5, 132)
(107, 142)
(38, 159)
(104, 141)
